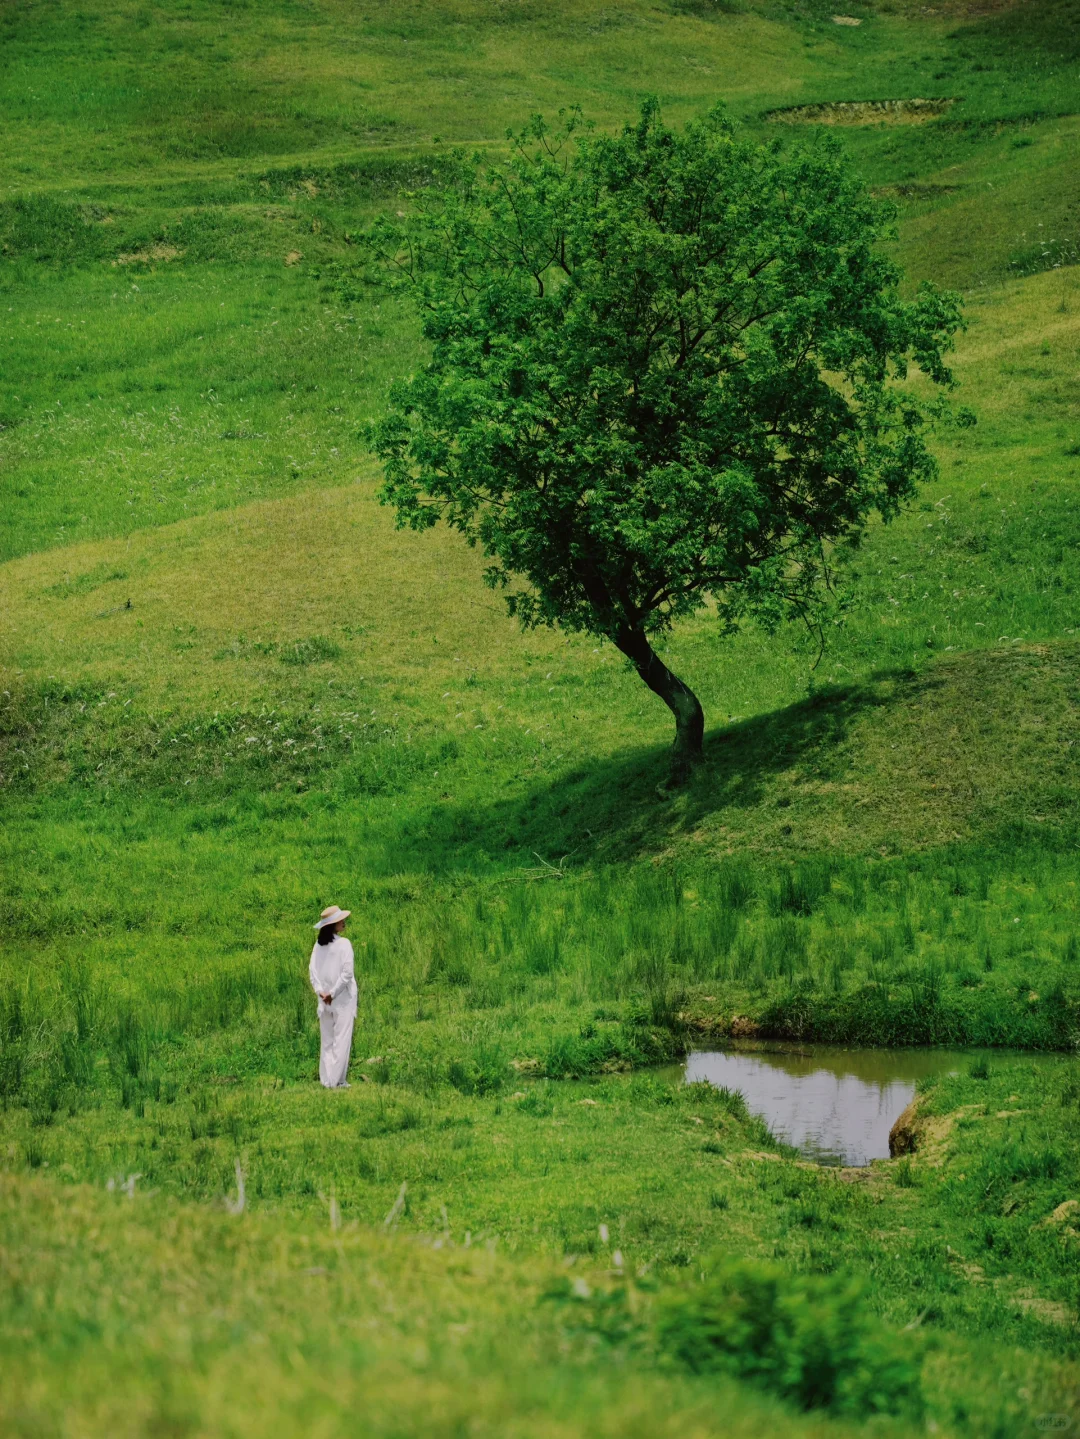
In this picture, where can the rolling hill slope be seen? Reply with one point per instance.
(231, 692)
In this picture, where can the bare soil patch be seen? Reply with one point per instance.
(147, 256)
(862, 112)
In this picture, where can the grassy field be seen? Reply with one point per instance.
(231, 692)
(501, 1305)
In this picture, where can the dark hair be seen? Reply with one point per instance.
(328, 933)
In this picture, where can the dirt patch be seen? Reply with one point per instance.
(862, 112)
(1048, 1310)
(849, 1175)
(147, 256)
(913, 191)
(904, 1135)
(1069, 1210)
(925, 1134)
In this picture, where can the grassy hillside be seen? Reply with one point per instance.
(505, 1308)
(180, 328)
(231, 691)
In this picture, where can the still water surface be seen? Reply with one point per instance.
(836, 1106)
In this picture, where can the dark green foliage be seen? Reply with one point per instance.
(73, 733)
(801, 887)
(392, 1120)
(639, 1041)
(731, 1101)
(812, 1341)
(45, 1102)
(47, 230)
(11, 1016)
(131, 1045)
(906, 1175)
(707, 9)
(734, 885)
(1015, 1162)
(76, 1058)
(484, 1071)
(661, 374)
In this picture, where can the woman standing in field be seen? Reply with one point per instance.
(334, 981)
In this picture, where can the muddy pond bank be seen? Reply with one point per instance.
(835, 1106)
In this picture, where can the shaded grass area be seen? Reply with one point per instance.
(974, 747)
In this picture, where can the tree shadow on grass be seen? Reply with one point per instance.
(619, 808)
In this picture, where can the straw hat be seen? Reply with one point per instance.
(330, 915)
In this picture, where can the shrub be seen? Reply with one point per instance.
(809, 1339)
(482, 1072)
(568, 1057)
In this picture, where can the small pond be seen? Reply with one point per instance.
(836, 1106)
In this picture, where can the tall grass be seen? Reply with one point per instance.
(610, 969)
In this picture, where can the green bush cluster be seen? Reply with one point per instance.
(483, 1071)
(811, 1340)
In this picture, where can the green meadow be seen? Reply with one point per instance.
(231, 693)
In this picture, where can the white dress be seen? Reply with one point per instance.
(331, 972)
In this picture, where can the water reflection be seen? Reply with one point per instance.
(836, 1106)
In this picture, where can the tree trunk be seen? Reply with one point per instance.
(679, 698)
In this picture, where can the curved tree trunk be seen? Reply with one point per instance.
(679, 698)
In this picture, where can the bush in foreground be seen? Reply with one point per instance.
(809, 1339)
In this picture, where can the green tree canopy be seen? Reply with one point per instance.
(664, 372)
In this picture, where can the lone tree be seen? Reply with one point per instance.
(662, 375)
